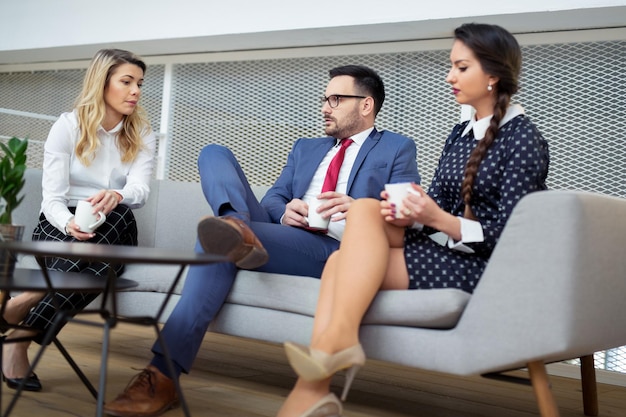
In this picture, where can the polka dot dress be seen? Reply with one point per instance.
(515, 164)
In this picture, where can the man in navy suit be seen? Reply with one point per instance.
(272, 235)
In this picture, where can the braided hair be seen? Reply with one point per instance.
(500, 56)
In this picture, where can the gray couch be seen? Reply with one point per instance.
(553, 290)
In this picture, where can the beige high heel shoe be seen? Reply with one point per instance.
(315, 365)
(328, 406)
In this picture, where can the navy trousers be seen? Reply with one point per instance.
(291, 251)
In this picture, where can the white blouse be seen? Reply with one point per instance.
(66, 180)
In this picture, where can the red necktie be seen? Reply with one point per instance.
(332, 175)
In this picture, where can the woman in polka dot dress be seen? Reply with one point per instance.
(439, 239)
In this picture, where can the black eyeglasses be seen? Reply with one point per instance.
(333, 100)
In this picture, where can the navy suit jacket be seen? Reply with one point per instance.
(385, 157)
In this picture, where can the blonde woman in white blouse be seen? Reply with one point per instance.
(101, 152)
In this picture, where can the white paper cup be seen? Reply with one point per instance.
(86, 220)
(315, 219)
(397, 192)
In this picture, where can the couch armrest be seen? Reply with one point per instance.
(555, 285)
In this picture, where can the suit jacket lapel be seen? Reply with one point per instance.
(367, 146)
(312, 162)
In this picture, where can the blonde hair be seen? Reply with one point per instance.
(91, 108)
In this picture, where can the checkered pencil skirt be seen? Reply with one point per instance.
(120, 228)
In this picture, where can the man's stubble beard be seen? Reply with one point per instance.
(350, 127)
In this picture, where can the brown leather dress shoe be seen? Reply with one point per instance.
(233, 238)
(148, 394)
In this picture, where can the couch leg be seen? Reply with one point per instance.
(590, 389)
(541, 386)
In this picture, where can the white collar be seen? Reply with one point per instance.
(480, 126)
(360, 137)
(115, 129)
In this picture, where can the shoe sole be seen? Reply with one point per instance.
(301, 362)
(220, 238)
(12, 384)
(167, 407)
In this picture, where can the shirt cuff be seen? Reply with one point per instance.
(67, 223)
(417, 226)
(471, 231)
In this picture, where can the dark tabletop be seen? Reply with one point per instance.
(111, 253)
(32, 280)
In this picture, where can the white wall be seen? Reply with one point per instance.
(44, 30)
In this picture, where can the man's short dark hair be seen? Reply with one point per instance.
(366, 80)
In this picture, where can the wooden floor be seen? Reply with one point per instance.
(237, 377)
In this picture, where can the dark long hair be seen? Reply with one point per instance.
(500, 56)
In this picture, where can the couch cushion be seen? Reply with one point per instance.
(438, 308)
(153, 278)
(169, 220)
(180, 206)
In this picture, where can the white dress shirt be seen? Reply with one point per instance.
(66, 180)
(335, 228)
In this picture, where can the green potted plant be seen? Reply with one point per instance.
(12, 168)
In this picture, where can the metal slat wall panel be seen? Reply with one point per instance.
(42, 92)
(50, 93)
(572, 92)
(258, 107)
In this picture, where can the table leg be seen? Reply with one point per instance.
(47, 340)
(76, 368)
(103, 368)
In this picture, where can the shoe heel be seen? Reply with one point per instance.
(315, 365)
(350, 374)
(254, 258)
